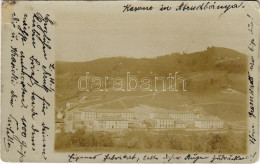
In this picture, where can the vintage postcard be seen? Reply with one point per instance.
(130, 81)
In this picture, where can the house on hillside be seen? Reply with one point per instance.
(59, 115)
(71, 104)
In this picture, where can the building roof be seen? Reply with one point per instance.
(110, 119)
(210, 118)
(113, 111)
(174, 112)
(106, 110)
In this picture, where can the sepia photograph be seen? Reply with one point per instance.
(150, 84)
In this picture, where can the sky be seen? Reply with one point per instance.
(89, 31)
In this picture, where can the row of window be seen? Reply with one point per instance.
(94, 113)
(212, 126)
(166, 121)
(112, 122)
(183, 116)
(113, 126)
(98, 115)
(180, 125)
(164, 126)
(212, 123)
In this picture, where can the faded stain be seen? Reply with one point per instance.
(7, 10)
(8, 3)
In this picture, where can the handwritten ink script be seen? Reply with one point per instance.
(32, 80)
(165, 158)
(252, 81)
(185, 6)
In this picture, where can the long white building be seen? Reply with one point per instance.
(90, 119)
(178, 115)
(184, 115)
(91, 114)
(209, 122)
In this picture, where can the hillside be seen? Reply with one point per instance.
(215, 77)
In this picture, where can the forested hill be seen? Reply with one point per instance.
(212, 59)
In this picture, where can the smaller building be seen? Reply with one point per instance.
(69, 105)
(59, 115)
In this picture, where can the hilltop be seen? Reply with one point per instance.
(214, 58)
